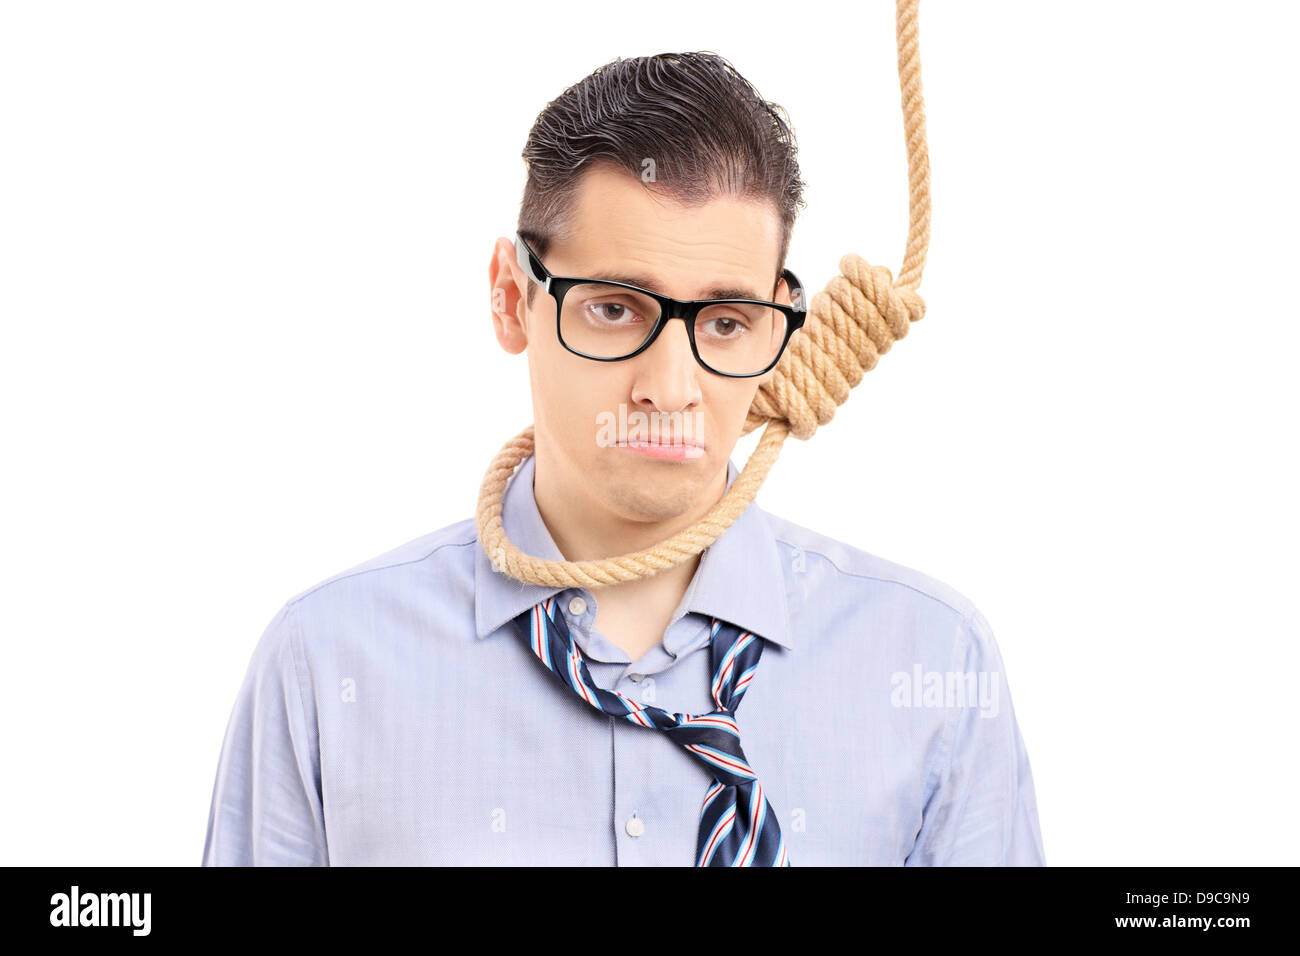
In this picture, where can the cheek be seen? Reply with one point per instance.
(579, 403)
(731, 404)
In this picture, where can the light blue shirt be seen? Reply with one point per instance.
(391, 714)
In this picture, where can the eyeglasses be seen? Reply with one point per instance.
(609, 321)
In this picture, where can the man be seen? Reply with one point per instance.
(407, 710)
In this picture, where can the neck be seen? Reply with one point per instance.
(633, 614)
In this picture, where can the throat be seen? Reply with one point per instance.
(634, 615)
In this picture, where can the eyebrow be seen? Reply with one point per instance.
(646, 282)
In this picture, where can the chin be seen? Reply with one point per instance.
(646, 489)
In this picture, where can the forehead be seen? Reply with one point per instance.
(624, 229)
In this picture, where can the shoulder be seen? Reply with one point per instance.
(438, 560)
(867, 581)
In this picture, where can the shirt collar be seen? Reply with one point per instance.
(740, 578)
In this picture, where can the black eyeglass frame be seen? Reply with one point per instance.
(669, 309)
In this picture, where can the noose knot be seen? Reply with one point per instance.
(851, 323)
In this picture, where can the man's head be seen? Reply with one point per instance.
(671, 172)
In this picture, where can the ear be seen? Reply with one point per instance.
(509, 309)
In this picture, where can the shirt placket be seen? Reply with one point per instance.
(649, 828)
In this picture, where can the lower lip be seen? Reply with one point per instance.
(664, 452)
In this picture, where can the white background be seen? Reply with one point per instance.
(247, 344)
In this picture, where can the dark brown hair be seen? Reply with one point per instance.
(704, 125)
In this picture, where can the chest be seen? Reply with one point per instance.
(484, 758)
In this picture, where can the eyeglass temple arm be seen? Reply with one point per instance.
(531, 265)
(796, 290)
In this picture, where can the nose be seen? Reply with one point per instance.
(668, 375)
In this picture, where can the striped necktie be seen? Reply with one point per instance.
(737, 824)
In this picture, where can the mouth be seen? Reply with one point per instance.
(687, 449)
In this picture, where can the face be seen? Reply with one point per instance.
(587, 429)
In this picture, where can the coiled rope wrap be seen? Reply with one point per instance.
(850, 324)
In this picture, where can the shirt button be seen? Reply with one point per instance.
(577, 606)
(635, 827)
(635, 678)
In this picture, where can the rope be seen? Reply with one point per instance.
(855, 320)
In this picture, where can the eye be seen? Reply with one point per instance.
(615, 313)
(724, 326)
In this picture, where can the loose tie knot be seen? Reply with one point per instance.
(715, 739)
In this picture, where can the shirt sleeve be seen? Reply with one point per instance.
(266, 802)
(982, 810)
